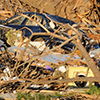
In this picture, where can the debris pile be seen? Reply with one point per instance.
(33, 62)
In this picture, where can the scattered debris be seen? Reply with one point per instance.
(40, 51)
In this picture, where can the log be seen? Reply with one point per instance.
(90, 61)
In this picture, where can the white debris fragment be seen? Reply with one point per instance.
(1, 42)
(14, 92)
(70, 90)
(5, 78)
(8, 78)
(52, 25)
(7, 71)
(35, 86)
(62, 69)
(60, 78)
(40, 45)
(14, 78)
(94, 52)
(46, 86)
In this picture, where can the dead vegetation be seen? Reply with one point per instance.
(24, 71)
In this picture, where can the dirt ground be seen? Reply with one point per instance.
(65, 8)
(74, 10)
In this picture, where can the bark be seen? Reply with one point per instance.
(91, 79)
(90, 61)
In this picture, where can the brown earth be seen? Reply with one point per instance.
(75, 10)
(66, 8)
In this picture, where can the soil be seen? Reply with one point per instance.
(63, 8)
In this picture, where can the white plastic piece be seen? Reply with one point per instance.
(5, 78)
(14, 92)
(52, 25)
(94, 52)
(35, 86)
(7, 71)
(46, 86)
(62, 69)
(39, 44)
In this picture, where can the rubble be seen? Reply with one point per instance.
(39, 64)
